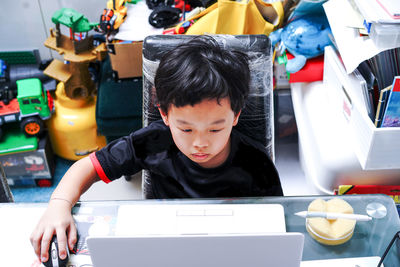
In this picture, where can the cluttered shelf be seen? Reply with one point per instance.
(367, 68)
(346, 136)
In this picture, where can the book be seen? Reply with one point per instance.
(385, 66)
(391, 117)
(380, 109)
(367, 98)
(365, 71)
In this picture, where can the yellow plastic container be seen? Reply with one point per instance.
(329, 241)
(72, 128)
(330, 232)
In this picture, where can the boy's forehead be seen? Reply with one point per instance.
(209, 101)
(184, 122)
(214, 111)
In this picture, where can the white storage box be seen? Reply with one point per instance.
(375, 148)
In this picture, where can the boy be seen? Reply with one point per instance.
(192, 152)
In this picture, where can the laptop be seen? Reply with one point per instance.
(198, 235)
(174, 219)
(211, 250)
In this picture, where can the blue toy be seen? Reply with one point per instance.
(304, 38)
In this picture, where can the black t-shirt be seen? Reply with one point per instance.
(247, 172)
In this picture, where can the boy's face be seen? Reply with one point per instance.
(202, 132)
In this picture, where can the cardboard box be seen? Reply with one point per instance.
(375, 148)
(126, 59)
(30, 168)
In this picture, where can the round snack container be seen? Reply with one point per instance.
(326, 240)
(327, 231)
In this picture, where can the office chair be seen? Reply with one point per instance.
(256, 119)
(5, 192)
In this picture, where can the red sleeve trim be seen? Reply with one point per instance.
(98, 168)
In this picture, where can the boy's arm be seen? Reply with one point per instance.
(57, 218)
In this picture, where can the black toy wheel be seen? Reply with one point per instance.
(164, 16)
(151, 4)
(32, 126)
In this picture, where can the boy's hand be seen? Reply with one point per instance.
(58, 220)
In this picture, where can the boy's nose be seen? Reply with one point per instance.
(200, 142)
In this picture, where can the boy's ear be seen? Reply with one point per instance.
(236, 119)
(164, 116)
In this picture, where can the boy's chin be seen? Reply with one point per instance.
(198, 159)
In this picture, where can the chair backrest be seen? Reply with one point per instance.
(5, 192)
(256, 119)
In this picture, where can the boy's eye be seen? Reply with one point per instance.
(215, 131)
(186, 130)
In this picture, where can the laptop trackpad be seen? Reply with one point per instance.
(204, 221)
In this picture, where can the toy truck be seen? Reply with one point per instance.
(31, 107)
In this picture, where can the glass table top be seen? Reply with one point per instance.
(370, 238)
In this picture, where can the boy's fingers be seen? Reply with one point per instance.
(62, 243)
(45, 244)
(72, 236)
(36, 238)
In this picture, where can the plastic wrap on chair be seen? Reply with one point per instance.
(256, 119)
(5, 192)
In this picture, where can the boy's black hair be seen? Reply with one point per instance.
(200, 69)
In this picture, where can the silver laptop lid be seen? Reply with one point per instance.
(233, 250)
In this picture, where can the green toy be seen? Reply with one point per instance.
(74, 20)
(30, 108)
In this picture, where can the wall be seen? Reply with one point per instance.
(26, 23)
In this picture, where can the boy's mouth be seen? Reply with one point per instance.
(200, 156)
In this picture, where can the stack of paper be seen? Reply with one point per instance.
(382, 20)
(379, 11)
(353, 47)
